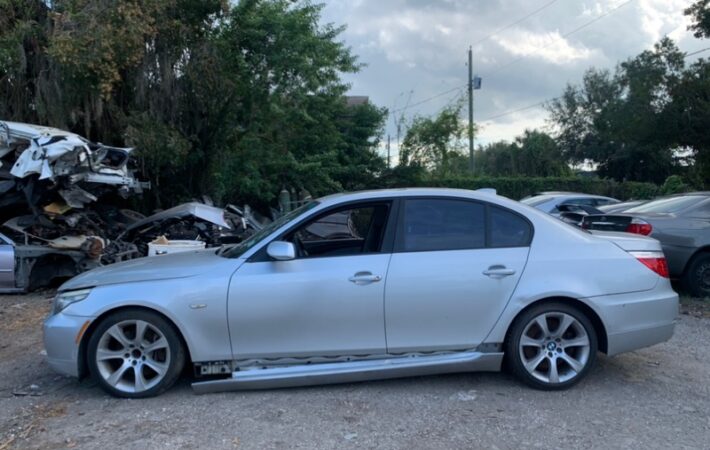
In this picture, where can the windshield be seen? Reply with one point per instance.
(537, 200)
(238, 250)
(667, 205)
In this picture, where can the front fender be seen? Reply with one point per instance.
(198, 309)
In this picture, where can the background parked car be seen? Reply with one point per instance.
(551, 200)
(682, 224)
(620, 207)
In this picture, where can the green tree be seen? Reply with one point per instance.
(433, 142)
(235, 100)
(534, 154)
(700, 14)
(618, 121)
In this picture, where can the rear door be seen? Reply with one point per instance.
(455, 265)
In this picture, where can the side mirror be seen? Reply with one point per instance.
(281, 250)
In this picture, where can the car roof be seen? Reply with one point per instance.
(408, 192)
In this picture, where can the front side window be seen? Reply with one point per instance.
(343, 232)
(237, 250)
(438, 224)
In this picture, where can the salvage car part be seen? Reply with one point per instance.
(456, 280)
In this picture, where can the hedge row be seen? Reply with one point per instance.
(517, 188)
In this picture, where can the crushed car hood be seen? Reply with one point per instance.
(163, 267)
(199, 210)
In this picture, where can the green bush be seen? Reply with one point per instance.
(674, 184)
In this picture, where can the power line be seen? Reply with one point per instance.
(579, 28)
(524, 108)
(510, 25)
(696, 52)
(513, 111)
(421, 102)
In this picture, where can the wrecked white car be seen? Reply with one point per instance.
(48, 177)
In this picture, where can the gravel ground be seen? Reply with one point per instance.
(654, 398)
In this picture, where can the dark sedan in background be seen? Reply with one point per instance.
(681, 223)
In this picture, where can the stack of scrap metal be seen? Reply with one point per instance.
(61, 208)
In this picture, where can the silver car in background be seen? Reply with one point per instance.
(369, 285)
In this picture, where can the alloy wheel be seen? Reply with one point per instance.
(554, 347)
(133, 356)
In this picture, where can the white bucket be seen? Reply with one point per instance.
(176, 246)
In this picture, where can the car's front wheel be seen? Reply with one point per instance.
(135, 353)
(551, 346)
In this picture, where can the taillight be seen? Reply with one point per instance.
(655, 261)
(638, 226)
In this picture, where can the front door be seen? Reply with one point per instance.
(454, 267)
(329, 301)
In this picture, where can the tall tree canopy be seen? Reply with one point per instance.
(235, 100)
(619, 120)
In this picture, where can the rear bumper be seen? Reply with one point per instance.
(639, 319)
(60, 341)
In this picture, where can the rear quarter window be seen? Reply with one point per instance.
(508, 229)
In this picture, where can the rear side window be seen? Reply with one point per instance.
(438, 224)
(508, 229)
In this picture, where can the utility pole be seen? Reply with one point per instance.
(470, 107)
(388, 151)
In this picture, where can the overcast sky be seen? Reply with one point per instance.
(417, 49)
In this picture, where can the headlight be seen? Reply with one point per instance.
(64, 299)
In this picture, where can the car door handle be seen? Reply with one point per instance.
(498, 272)
(364, 278)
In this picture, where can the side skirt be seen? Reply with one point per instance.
(352, 371)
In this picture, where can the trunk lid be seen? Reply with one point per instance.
(629, 242)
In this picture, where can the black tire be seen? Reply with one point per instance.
(157, 324)
(514, 353)
(696, 279)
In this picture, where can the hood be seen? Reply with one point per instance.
(200, 210)
(163, 267)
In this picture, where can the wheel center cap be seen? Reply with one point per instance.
(551, 346)
(136, 353)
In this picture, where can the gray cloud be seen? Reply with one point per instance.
(417, 49)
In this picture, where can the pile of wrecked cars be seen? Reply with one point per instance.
(61, 199)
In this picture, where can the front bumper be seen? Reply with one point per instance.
(639, 319)
(62, 339)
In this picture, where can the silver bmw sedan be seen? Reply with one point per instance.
(369, 285)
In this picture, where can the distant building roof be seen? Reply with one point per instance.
(356, 100)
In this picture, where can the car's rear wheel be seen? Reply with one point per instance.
(551, 346)
(697, 276)
(135, 354)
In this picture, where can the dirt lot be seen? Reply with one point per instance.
(654, 398)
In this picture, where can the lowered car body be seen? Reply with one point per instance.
(369, 285)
